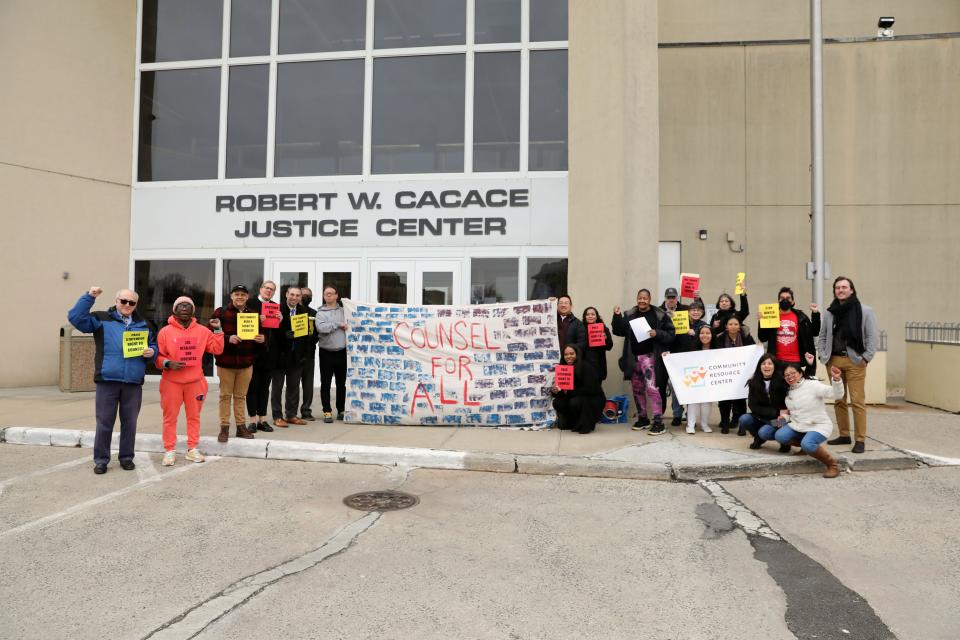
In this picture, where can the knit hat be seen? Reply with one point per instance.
(183, 299)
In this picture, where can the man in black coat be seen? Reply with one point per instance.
(642, 361)
(290, 353)
(796, 334)
(569, 328)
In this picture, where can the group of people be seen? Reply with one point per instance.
(782, 397)
(247, 367)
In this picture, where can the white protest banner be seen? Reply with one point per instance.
(713, 374)
(488, 364)
(641, 328)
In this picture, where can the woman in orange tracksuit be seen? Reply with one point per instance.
(181, 345)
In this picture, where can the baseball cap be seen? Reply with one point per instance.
(670, 293)
(239, 287)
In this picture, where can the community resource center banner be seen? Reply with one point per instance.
(712, 375)
(486, 364)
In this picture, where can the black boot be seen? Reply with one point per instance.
(840, 440)
(757, 442)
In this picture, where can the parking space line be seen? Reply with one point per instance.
(42, 472)
(77, 508)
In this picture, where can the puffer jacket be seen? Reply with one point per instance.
(108, 328)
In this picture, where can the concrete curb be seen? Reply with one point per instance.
(473, 461)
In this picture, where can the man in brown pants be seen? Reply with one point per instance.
(235, 364)
(848, 340)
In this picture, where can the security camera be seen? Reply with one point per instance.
(885, 27)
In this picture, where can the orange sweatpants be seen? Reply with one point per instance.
(191, 396)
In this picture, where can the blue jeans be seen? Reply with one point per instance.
(754, 425)
(811, 440)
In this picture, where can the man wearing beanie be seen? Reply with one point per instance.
(181, 345)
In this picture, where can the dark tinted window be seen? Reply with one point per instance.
(319, 118)
(246, 272)
(548, 20)
(310, 26)
(179, 124)
(249, 28)
(493, 280)
(546, 277)
(418, 111)
(419, 23)
(181, 30)
(496, 112)
(497, 21)
(247, 122)
(548, 110)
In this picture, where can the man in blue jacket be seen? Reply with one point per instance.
(121, 362)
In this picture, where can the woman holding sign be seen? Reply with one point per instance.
(727, 308)
(577, 395)
(809, 424)
(732, 336)
(599, 341)
(182, 344)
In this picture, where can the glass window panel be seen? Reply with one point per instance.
(437, 287)
(496, 112)
(546, 277)
(181, 30)
(160, 282)
(309, 26)
(246, 272)
(291, 279)
(247, 122)
(179, 124)
(548, 110)
(319, 118)
(493, 280)
(249, 28)
(548, 20)
(342, 281)
(392, 287)
(419, 23)
(497, 21)
(418, 107)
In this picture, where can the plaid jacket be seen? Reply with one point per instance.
(235, 356)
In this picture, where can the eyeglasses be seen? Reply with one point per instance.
(131, 303)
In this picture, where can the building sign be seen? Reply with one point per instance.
(454, 212)
(486, 365)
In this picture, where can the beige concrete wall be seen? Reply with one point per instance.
(713, 21)
(932, 375)
(892, 161)
(66, 117)
(614, 162)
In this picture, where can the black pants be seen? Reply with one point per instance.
(113, 397)
(738, 407)
(306, 384)
(579, 413)
(258, 392)
(291, 376)
(333, 364)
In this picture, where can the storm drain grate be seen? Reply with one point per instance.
(381, 501)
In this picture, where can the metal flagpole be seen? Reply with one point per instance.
(816, 149)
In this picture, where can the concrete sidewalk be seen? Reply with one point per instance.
(901, 436)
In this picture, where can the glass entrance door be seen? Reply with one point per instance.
(415, 281)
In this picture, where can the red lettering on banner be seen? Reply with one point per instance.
(464, 364)
(396, 338)
(421, 392)
(443, 398)
(486, 340)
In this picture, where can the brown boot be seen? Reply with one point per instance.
(224, 433)
(243, 432)
(824, 456)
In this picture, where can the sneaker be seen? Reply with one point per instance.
(676, 422)
(706, 428)
(263, 426)
(194, 456)
(657, 428)
(690, 429)
(339, 416)
(169, 458)
(327, 417)
(840, 440)
(641, 424)
(857, 448)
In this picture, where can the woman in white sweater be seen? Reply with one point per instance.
(809, 425)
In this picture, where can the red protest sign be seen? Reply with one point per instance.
(595, 335)
(563, 377)
(270, 311)
(689, 283)
(188, 350)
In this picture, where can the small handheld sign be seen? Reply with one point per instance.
(769, 316)
(738, 288)
(270, 311)
(681, 321)
(689, 284)
(134, 343)
(298, 324)
(563, 377)
(248, 325)
(596, 337)
(188, 350)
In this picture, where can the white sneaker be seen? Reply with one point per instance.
(169, 458)
(194, 456)
(690, 429)
(706, 428)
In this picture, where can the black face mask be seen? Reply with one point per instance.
(305, 301)
(785, 305)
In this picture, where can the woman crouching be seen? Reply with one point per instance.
(809, 424)
(579, 408)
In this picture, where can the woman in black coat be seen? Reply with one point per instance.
(597, 356)
(579, 408)
(732, 336)
(726, 308)
(766, 398)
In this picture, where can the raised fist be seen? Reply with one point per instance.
(95, 291)
(616, 310)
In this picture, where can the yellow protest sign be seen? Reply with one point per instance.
(681, 321)
(769, 316)
(299, 324)
(738, 289)
(248, 325)
(134, 342)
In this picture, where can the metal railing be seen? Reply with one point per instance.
(933, 332)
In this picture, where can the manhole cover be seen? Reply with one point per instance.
(381, 501)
